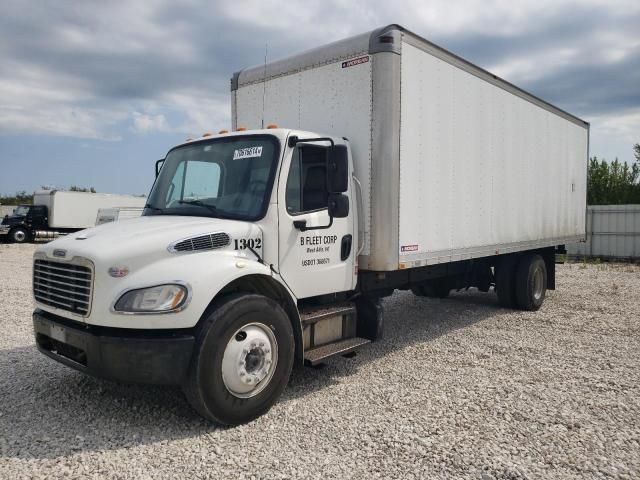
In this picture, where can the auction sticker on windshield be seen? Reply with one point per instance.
(249, 152)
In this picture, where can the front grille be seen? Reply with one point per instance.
(63, 285)
(203, 242)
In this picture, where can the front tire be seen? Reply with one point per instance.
(242, 359)
(19, 235)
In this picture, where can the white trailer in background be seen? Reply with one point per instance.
(77, 210)
(56, 213)
(398, 166)
(106, 215)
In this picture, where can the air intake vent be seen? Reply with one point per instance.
(203, 242)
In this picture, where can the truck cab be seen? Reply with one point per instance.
(244, 260)
(24, 220)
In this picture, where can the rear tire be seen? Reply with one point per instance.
(505, 282)
(19, 235)
(531, 282)
(242, 359)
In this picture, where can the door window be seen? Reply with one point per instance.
(307, 180)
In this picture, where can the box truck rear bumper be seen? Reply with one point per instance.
(122, 355)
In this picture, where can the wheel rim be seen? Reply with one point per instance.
(19, 236)
(249, 360)
(538, 283)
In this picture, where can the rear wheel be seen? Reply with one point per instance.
(531, 282)
(242, 359)
(19, 235)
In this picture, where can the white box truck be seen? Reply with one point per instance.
(106, 215)
(56, 212)
(397, 166)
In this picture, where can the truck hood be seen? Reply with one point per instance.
(13, 219)
(143, 239)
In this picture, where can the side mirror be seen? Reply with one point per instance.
(338, 169)
(338, 205)
(159, 164)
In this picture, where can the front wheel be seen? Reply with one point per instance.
(19, 235)
(242, 359)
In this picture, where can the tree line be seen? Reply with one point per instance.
(614, 183)
(24, 198)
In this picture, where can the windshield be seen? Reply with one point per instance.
(21, 210)
(226, 178)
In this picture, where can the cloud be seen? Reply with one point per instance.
(145, 123)
(110, 69)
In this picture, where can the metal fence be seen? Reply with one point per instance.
(613, 232)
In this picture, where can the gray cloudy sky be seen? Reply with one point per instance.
(91, 93)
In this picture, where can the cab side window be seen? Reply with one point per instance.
(307, 180)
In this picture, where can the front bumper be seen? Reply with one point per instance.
(4, 229)
(129, 356)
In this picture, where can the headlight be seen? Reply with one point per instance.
(162, 298)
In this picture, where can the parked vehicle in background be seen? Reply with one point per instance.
(56, 213)
(106, 215)
(401, 166)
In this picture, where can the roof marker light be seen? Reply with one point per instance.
(223, 131)
(241, 129)
(207, 134)
(272, 125)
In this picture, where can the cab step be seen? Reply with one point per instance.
(309, 317)
(320, 354)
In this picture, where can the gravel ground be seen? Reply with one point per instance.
(459, 388)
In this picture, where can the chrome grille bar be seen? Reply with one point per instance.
(67, 286)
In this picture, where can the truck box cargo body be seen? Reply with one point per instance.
(116, 214)
(56, 213)
(454, 162)
(79, 209)
(374, 164)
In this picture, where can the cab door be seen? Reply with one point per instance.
(316, 252)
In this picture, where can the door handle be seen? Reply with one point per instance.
(345, 247)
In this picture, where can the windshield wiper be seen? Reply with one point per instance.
(199, 203)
